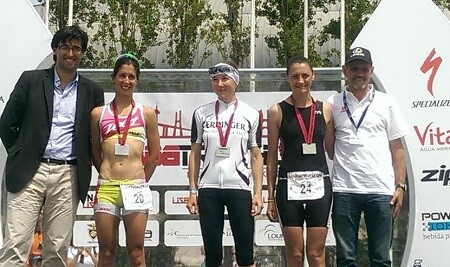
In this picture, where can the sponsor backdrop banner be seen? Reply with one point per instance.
(409, 41)
(174, 120)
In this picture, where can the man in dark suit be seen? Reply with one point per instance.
(45, 130)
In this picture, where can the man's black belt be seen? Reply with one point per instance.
(60, 161)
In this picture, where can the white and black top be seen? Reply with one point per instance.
(232, 172)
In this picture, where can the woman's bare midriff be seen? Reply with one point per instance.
(116, 167)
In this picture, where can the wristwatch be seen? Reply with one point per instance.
(401, 185)
(193, 190)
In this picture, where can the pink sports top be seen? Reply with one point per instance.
(108, 129)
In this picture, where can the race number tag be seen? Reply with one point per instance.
(223, 152)
(306, 185)
(122, 150)
(136, 196)
(309, 148)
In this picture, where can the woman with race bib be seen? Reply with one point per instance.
(120, 131)
(303, 192)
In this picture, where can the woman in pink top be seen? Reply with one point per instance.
(120, 131)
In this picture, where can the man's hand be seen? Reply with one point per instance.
(397, 201)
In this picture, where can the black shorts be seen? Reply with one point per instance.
(296, 212)
(211, 204)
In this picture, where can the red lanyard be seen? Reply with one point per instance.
(127, 124)
(308, 135)
(224, 138)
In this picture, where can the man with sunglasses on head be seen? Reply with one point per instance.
(45, 130)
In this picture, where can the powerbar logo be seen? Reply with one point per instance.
(436, 221)
(437, 175)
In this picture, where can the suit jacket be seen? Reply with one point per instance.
(25, 126)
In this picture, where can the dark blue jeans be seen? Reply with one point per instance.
(346, 214)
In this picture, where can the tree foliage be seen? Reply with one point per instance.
(193, 31)
(287, 16)
(239, 33)
(443, 4)
(357, 12)
(229, 34)
(185, 25)
(115, 27)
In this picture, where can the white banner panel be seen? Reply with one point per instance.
(183, 233)
(88, 207)
(268, 233)
(409, 41)
(85, 234)
(151, 236)
(175, 202)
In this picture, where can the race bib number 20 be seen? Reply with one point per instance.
(137, 197)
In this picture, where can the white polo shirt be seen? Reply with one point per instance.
(232, 172)
(362, 160)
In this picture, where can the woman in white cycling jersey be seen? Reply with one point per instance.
(230, 132)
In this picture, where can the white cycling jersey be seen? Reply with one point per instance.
(232, 171)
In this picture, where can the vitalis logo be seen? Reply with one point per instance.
(433, 138)
(431, 65)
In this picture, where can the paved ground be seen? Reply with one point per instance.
(191, 256)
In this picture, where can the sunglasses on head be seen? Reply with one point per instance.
(221, 69)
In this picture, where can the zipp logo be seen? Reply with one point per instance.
(442, 174)
(433, 65)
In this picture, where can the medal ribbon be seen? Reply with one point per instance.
(308, 135)
(224, 138)
(349, 114)
(127, 123)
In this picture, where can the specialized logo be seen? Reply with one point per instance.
(433, 65)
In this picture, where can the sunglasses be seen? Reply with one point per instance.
(222, 69)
